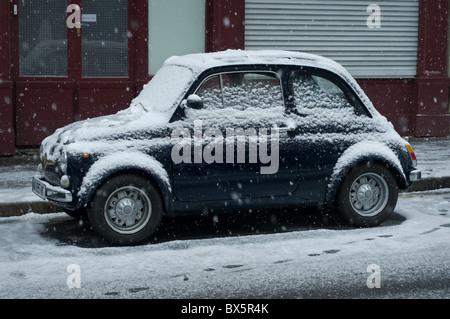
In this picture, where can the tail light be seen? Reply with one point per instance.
(412, 155)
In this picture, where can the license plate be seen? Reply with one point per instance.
(39, 188)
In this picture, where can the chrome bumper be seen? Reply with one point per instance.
(415, 175)
(49, 192)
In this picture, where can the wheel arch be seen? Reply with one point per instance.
(131, 163)
(364, 153)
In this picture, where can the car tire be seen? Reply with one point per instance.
(367, 195)
(126, 209)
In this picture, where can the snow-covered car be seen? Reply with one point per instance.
(233, 130)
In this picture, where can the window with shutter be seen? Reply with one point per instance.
(346, 31)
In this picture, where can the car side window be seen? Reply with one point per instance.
(313, 93)
(242, 91)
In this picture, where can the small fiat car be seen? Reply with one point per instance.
(233, 130)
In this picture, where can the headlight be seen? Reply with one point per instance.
(65, 181)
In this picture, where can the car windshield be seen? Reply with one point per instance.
(165, 90)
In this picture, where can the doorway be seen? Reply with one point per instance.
(64, 74)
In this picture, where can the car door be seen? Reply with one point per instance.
(236, 147)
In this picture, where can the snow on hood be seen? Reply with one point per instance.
(101, 128)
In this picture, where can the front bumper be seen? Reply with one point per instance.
(415, 175)
(49, 192)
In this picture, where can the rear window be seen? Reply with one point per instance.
(313, 93)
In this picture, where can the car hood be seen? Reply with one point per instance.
(104, 130)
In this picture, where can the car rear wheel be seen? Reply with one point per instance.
(368, 195)
(127, 209)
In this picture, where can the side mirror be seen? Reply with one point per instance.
(194, 102)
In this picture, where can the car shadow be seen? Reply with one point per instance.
(79, 233)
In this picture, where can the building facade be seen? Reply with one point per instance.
(64, 61)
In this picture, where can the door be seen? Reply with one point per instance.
(65, 74)
(237, 149)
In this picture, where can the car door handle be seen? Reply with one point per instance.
(286, 131)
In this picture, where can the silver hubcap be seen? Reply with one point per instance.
(369, 194)
(127, 210)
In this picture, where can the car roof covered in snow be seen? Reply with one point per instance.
(200, 62)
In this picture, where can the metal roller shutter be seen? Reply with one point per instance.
(339, 30)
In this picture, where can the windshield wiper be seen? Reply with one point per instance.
(140, 103)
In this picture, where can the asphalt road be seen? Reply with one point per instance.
(288, 255)
(420, 279)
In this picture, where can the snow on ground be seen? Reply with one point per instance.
(311, 262)
(18, 195)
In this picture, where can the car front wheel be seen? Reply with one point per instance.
(127, 209)
(368, 195)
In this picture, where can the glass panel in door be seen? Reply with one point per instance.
(105, 38)
(42, 38)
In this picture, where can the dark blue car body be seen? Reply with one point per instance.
(322, 136)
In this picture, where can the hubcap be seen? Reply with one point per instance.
(369, 194)
(127, 210)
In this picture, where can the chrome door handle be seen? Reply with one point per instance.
(286, 131)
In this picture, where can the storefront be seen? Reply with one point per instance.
(53, 72)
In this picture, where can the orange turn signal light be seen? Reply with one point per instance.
(411, 153)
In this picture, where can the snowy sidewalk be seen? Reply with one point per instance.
(16, 197)
(433, 156)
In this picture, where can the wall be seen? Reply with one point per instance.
(7, 133)
(420, 106)
(417, 106)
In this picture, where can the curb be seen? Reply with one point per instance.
(41, 207)
(428, 184)
(19, 209)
